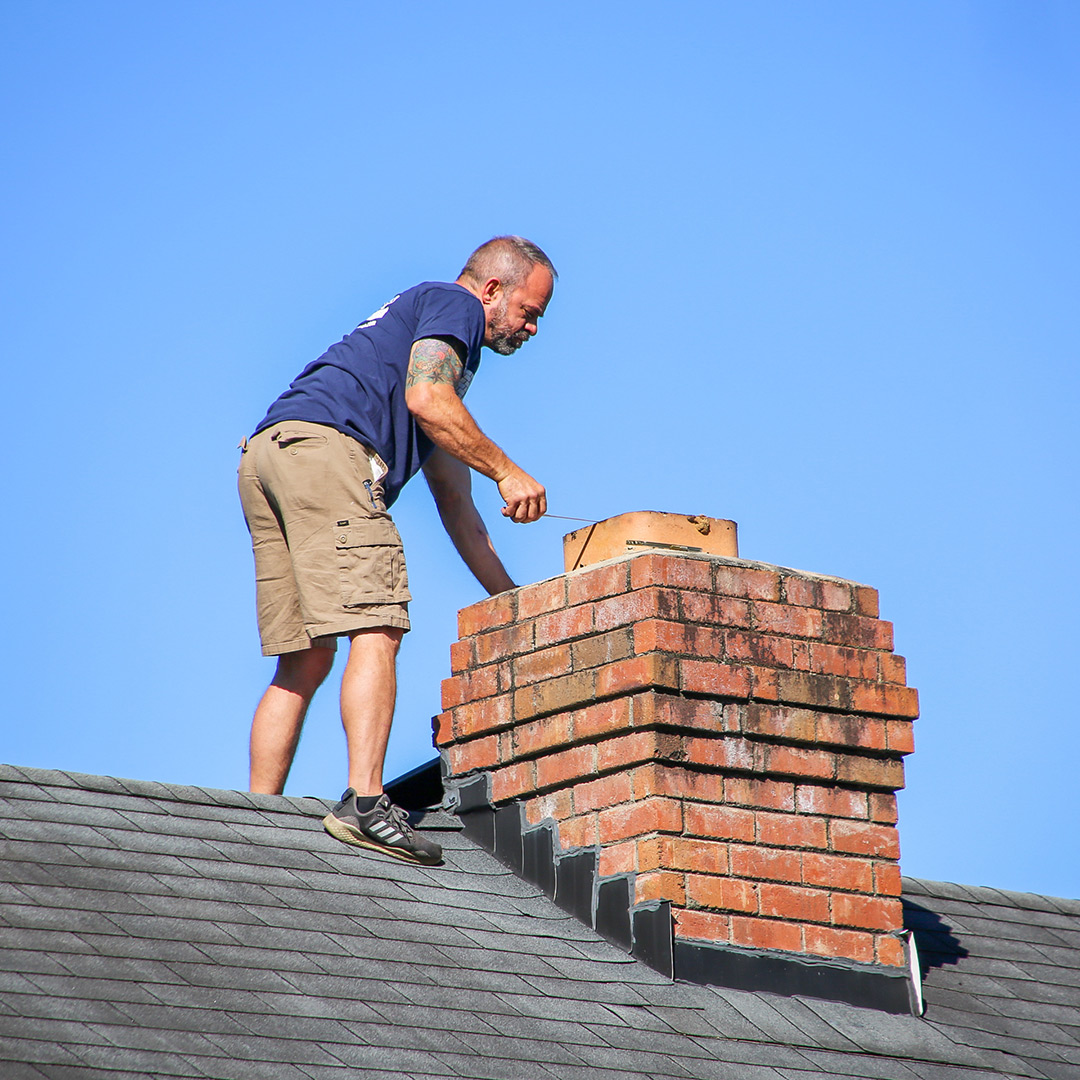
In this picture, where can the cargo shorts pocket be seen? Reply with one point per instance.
(371, 563)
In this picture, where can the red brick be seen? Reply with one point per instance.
(885, 700)
(831, 801)
(670, 570)
(566, 766)
(767, 863)
(597, 582)
(603, 792)
(486, 615)
(617, 859)
(799, 761)
(600, 649)
(543, 664)
(893, 668)
(805, 688)
(857, 631)
(800, 655)
(838, 872)
(743, 581)
(602, 718)
(661, 635)
(718, 610)
(835, 596)
(728, 753)
(626, 750)
(787, 619)
(690, 713)
(866, 601)
(801, 592)
(701, 925)
(710, 677)
(866, 912)
(470, 686)
(513, 781)
(766, 933)
(442, 728)
(864, 838)
(559, 626)
(887, 879)
(722, 893)
(770, 794)
(542, 735)
(869, 772)
(476, 754)
(637, 673)
(793, 902)
(659, 885)
(848, 944)
(577, 832)
(635, 607)
(841, 660)
(555, 695)
(791, 830)
(758, 648)
(883, 807)
(798, 725)
(545, 596)
(652, 852)
(462, 655)
(638, 819)
(555, 804)
(843, 730)
(764, 683)
(479, 716)
(890, 951)
(901, 736)
(499, 644)
(506, 746)
(699, 856)
(726, 822)
(656, 779)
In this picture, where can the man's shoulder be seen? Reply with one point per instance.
(449, 291)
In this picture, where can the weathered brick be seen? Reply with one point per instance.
(639, 819)
(787, 619)
(635, 607)
(842, 872)
(578, 832)
(864, 838)
(892, 668)
(462, 655)
(637, 673)
(781, 722)
(717, 610)
(870, 772)
(766, 933)
(885, 700)
(890, 951)
(600, 649)
(770, 794)
(597, 582)
(538, 599)
(700, 856)
(623, 751)
(798, 761)
(828, 659)
(554, 695)
(475, 754)
(499, 644)
(603, 792)
(470, 686)
(900, 736)
(701, 925)
(711, 677)
(758, 648)
(602, 718)
(791, 830)
(655, 779)
(805, 688)
(661, 635)
(857, 631)
(563, 625)
(866, 912)
(513, 781)
(692, 714)
(442, 728)
(566, 766)
(659, 885)
(726, 753)
(831, 801)
(486, 615)
(721, 893)
(745, 581)
(848, 944)
(866, 601)
(673, 571)
(554, 804)
(617, 859)
(721, 822)
(838, 729)
(887, 879)
(800, 591)
(765, 863)
(836, 596)
(793, 902)
(480, 716)
(542, 664)
(883, 807)
(541, 736)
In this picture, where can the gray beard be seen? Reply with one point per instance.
(502, 341)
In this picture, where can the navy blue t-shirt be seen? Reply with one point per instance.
(358, 385)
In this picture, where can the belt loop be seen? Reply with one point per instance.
(242, 445)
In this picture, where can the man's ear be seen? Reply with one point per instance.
(490, 291)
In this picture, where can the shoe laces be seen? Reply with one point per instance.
(399, 817)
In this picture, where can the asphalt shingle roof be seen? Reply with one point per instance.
(155, 930)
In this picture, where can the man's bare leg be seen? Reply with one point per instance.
(368, 692)
(275, 730)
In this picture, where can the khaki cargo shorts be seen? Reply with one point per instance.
(328, 559)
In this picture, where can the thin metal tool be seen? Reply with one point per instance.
(563, 517)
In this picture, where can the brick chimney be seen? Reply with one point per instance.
(699, 756)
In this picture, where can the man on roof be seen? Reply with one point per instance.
(317, 479)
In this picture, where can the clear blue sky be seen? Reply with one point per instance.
(819, 275)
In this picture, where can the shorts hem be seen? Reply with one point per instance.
(279, 648)
(362, 621)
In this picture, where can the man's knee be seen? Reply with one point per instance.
(305, 671)
(377, 639)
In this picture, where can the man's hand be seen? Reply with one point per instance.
(525, 499)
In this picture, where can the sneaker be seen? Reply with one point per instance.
(384, 828)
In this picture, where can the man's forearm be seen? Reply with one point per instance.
(449, 425)
(466, 529)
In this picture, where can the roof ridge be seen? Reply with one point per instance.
(988, 894)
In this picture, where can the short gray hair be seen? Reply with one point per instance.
(508, 258)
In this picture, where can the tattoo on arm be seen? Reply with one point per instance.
(434, 360)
